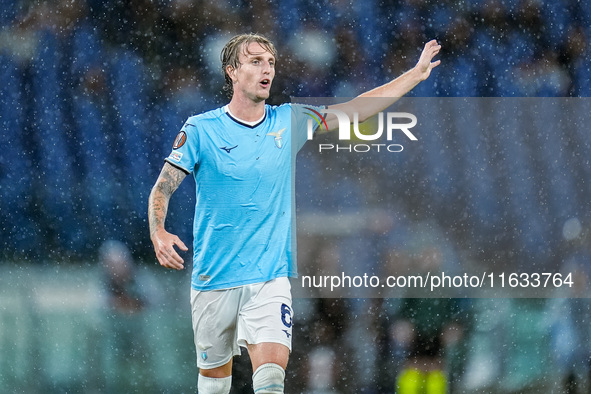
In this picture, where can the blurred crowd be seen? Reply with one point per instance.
(92, 94)
(94, 91)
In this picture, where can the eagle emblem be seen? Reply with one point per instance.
(278, 138)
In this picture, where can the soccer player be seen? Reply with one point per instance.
(240, 156)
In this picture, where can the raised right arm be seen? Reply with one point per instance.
(168, 181)
(387, 94)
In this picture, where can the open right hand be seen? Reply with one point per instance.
(166, 254)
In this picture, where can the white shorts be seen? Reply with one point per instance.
(224, 320)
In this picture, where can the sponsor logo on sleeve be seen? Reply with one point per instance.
(176, 156)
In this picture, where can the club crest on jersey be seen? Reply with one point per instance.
(278, 138)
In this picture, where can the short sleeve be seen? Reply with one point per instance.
(185, 149)
(305, 120)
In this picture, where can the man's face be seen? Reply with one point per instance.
(253, 77)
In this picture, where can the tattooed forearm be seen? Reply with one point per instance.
(169, 180)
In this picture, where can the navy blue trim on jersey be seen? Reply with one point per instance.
(245, 124)
(177, 167)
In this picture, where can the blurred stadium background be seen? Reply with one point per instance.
(92, 94)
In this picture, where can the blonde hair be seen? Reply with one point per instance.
(230, 55)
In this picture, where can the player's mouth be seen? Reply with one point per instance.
(265, 83)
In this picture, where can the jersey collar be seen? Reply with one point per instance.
(251, 125)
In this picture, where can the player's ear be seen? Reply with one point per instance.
(231, 71)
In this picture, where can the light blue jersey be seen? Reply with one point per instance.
(243, 175)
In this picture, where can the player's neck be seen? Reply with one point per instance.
(247, 110)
